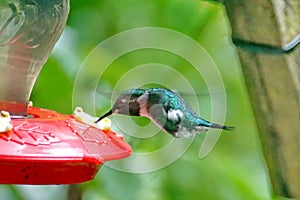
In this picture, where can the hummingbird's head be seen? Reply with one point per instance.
(127, 104)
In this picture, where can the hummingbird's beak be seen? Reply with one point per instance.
(103, 116)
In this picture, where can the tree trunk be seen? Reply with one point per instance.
(266, 33)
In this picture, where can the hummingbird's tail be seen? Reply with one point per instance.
(227, 128)
(103, 116)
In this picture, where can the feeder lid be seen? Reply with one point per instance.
(53, 148)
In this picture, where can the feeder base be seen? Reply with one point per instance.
(53, 148)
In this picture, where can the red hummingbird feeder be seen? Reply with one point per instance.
(40, 146)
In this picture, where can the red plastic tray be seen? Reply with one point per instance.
(53, 148)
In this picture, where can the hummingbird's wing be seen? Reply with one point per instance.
(109, 94)
(164, 111)
(162, 119)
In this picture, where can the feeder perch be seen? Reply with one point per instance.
(40, 146)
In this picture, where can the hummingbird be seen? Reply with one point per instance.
(167, 109)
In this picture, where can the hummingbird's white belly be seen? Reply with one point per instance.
(174, 115)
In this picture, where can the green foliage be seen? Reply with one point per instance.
(53, 89)
(233, 170)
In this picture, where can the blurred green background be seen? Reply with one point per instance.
(235, 169)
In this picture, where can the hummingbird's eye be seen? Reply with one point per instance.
(126, 101)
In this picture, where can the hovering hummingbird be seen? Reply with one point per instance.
(165, 108)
